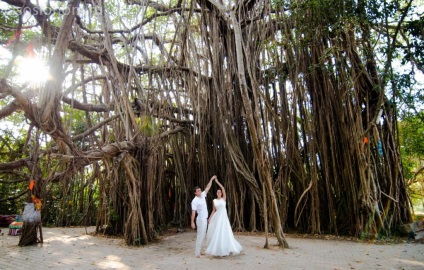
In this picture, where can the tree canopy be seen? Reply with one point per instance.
(293, 104)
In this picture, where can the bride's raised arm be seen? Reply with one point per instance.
(224, 195)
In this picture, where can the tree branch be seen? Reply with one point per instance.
(8, 109)
(86, 106)
(15, 197)
(94, 128)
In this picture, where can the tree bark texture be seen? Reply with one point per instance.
(151, 101)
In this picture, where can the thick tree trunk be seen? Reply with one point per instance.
(261, 160)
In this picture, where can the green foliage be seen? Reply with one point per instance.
(12, 184)
(414, 30)
(412, 148)
(148, 126)
(113, 215)
(11, 143)
(376, 10)
(8, 17)
(412, 133)
(74, 120)
(407, 93)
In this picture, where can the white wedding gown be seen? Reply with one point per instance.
(220, 238)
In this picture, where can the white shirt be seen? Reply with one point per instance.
(198, 204)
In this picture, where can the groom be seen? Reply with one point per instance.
(198, 205)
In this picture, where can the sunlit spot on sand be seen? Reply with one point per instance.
(69, 239)
(411, 263)
(112, 262)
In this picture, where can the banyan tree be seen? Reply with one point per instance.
(286, 101)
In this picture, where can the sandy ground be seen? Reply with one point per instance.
(77, 248)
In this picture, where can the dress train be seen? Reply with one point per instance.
(220, 238)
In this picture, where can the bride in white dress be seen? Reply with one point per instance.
(220, 238)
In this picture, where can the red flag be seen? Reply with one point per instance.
(31, 185)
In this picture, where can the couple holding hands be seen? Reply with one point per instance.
(219, 235)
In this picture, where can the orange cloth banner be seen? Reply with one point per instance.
(31, 185)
